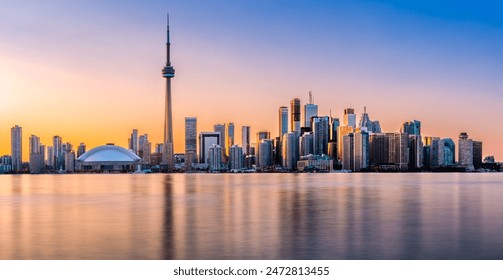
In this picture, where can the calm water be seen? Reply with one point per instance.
(252, 216)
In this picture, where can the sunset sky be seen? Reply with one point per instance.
(90, 71)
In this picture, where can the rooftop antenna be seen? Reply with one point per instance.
(310, 98)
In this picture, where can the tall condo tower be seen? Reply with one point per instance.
(168, 72)
(295, 111)
(310, 110)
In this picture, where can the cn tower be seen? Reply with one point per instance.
(168, 72)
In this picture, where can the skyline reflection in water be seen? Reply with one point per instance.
(252, 216)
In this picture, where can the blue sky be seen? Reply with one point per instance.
(436, 61)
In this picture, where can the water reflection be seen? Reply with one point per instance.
(252, 216)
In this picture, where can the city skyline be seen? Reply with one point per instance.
(77, 114)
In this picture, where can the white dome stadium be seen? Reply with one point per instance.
(109, 153)
(108, 158)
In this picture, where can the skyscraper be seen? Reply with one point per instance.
(133, 141)
(361, 151)
(168, 72)
(349, 117)
(411, 128)
(283, 121)
(229, 137)
(334, 125)
(265, 154)
(415, 152)
(465, 150)
(50, 157)
(206, 140)
(290, 150)
(190, 141)
(341, 131)
(367, 125)
(220, 128)
(295, 118)
(321, 134)
(477, 155)
(236, 158)
(245, 139)
(215, 158)
(37, 151)
(379, 149)
(81, 149)
(263, 135)
(310, 110)
(348, 155)
(399, 150)
(59, 159)
(449, 151)
(306, 144)
(16, 135)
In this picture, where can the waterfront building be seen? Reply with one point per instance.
(70, 161)
(59, 159)
(290, 150)
(37, 153)
(295, 115)
(265, 154)
(50, 157)
(190, 141)
(348, 155)
(436, 151)
(310, 110)
(245, 139)
(236, 157)
(361, 151)
(215, 158)
(341, 132)
(5, 164)
(477, 155)
(168, 72)
(315, 163)
(449, 152)
(465, 151)
(415, 152)
(278, 154)
(399, 150)
(321, 134)
(16, 137)
(206, 140)
(306, 144)
(379, 149)
(390, 151)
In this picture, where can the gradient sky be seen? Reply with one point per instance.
(90, 71)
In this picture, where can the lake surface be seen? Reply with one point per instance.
(252, 216)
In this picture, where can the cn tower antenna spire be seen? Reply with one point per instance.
(168, 44)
